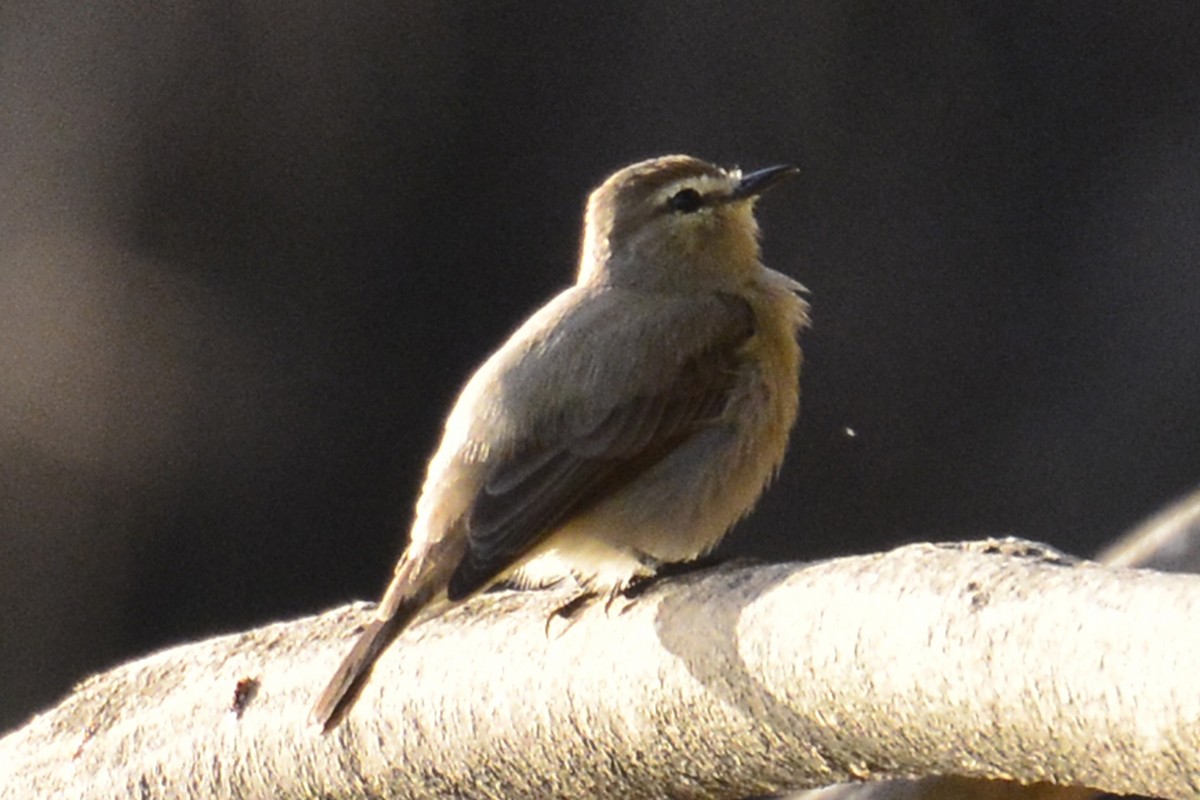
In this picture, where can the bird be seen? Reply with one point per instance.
(626, 425)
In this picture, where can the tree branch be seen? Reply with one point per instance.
(990, 660)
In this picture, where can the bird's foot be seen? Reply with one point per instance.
(568, 612)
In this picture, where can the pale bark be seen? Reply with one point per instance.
(988, 660)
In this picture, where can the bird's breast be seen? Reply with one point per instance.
(682, 506)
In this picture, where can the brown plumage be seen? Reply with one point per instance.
(629, 422)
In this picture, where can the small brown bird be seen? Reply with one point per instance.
(629, 422)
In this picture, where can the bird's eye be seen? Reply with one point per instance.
(686, 201)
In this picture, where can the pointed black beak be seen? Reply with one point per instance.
(758, 182)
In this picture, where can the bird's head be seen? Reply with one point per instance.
(674, 223)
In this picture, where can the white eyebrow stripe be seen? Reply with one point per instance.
(704, 184)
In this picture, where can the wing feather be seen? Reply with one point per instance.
(562, 468)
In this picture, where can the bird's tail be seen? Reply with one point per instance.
(343, 688)
(418, 580)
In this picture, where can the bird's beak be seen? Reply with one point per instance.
(756, 183)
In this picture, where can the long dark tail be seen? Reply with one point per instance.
(419, 584)
(343, 689)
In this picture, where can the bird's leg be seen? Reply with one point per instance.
(569, 610)
(613, 594)
(631, 592)
(639, 585)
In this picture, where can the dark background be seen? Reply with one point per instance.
(249, 252)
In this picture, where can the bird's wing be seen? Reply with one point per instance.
(570, 462)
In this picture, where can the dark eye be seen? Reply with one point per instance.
(686, 201)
